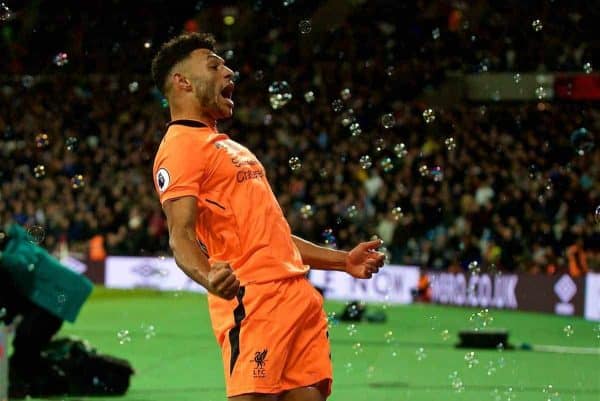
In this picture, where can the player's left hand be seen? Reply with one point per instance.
(364, 260)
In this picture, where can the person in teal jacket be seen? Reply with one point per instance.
(36, 286)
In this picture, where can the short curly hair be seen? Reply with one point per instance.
(175, 50)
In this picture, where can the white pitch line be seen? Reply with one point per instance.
(566, 350)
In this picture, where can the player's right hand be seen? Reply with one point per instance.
(222, 281)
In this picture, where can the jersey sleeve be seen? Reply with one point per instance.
(179, 167)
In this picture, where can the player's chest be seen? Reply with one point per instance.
(233, 164)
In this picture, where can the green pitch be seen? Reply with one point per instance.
(170, 344)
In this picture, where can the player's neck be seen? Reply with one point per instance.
(195, 114)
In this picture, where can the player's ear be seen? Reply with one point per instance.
(181, 82)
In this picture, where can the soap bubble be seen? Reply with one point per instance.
(39, 171)
(429, 116)
(332, 319)
(309, 97)
(305, 26)
(400, 150)
(61, 59)
(133, 86)
(450, 144)
(436, 174)
(365, 162)
(435, 33)
(540, 92)
(337, 105)
(379, 144)
(387, 165)
(295, 163)
(445, 335)
(36, 234)
(352, 211)
(352, 330)
(42, 140)
(550, 393)
(397, 213)
(357, 348)
(307, 211)
(474, 267)
(279, 94)
(471, 359)
(582, 141)
(423, 170)
(5, 13)
(123, 337)
(421, 354)
(517, 78)
(388, 120)
(587, 67)
(77, 181)
(71, 143)
(456, 381)
(537, 25)
(345, 94)
(147, 44)
(388, 336)
(329, 237)
(568, 330)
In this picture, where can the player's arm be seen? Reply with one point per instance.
(361, 262)
(219, 278)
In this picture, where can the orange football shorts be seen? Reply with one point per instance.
(273, 337)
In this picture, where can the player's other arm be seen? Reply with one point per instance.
(219, 278)
(361, 262)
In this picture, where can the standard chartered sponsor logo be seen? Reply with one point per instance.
(476, 290)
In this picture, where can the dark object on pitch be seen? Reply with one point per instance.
(483, 339)
(353, 312)
(88, 372)
(376, 316)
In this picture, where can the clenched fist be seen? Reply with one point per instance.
(222, 281)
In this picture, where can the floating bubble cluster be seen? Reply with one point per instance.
(537, 25)
(77, 181)
(450, 144)
(365, 162)
(71, 143)
(386, 164)
(306, 211)
(420, 353)
(429, 116)
(329, 238)
(388, 120)
(568, 330)
(123, 337)
(42, 140)
(337, 105)
(295, 163)
(279, 94)
(474, 267)
(36, 234)
(471, 359)
(456, 382)
(39, 171)
(305, 26)
(582, 141)
(61, 59)
(309, 97)
(400, 150)
(5, 13)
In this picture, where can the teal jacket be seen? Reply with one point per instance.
(41, 277)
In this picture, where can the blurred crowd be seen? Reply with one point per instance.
(493, 186)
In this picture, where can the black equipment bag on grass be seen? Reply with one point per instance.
(87, 371)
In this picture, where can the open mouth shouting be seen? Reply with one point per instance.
(227, 93)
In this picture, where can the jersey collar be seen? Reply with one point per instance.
(187, 123)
